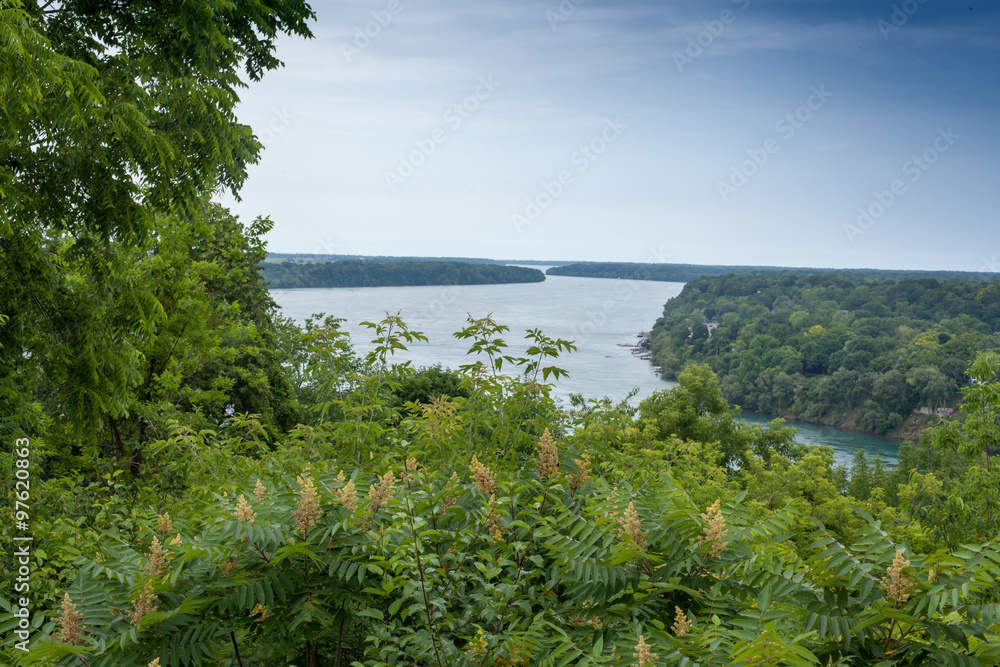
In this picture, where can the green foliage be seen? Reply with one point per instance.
(379, 273)
(830, 348)
(319, 360)
(511, 411)
(207, 351)
(959, 502)
(517, 569)
(697, 412)
(429, 383)
(114, 115)
(682, 273)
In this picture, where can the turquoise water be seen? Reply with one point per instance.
(601, 316)
(845, 443)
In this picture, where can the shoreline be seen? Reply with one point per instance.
(909, 431)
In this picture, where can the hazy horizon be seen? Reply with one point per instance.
(829, 134)
(562, 262)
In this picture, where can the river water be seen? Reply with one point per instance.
(601, 316)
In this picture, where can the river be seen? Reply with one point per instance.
(599, 315)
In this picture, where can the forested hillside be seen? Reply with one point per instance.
(829, 348)
(682, 273)
(362, 273)
(306, 258)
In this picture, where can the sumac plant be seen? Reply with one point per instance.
(545, 566)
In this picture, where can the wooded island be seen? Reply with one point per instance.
(371, 273)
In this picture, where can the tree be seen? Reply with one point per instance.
(113, 113)
(696, 411)
(955, 482)
(210, 351)
(933, 386)
(851, 367)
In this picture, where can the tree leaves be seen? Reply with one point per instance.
(416, 583)
(114, 115)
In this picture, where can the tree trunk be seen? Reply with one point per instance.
(340, 642)
(310, 655)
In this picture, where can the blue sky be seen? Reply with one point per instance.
(790, 133)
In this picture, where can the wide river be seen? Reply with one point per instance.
(599, 315)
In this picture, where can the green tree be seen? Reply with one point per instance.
(209, 352)
(696, 411)
(113, 114)
(978, 442)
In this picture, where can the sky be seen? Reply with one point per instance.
(826, 133)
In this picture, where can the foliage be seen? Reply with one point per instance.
(830, 348)
(682, 273)
(426, 569)
(362, 273)
(696, 411)
(114, 115)
(430, 383)
(957, 499)
(207, 352)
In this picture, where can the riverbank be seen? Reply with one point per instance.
(832, 349)
(844, 442)
(908, 431)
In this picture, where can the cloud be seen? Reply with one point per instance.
(356, 112)
(826, 148)
(434, 41)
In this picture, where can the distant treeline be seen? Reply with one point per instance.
(308, 258)
(837, 349)
(277, 257)
(683, 273)
(362, 273)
